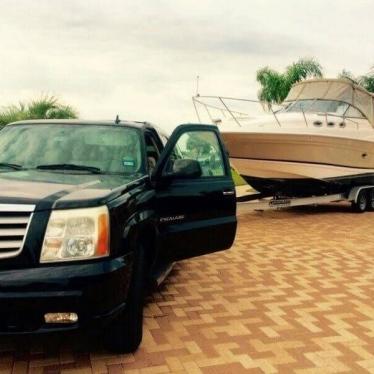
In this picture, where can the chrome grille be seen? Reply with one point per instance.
(14, 223)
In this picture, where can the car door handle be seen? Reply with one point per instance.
(228, 192)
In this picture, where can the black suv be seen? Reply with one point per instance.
(92, 213)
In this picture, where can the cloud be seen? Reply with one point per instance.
(140, 59)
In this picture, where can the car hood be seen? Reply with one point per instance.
(58, 189)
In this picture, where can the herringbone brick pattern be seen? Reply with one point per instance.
(295, 294)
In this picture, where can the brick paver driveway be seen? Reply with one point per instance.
(295, 294)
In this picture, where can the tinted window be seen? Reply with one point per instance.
(113, 149)
(202, 146)
(318, 106)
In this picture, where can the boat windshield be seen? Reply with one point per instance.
(338, 108)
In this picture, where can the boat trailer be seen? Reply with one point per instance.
(360, 197)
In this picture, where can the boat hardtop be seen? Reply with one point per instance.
(342, 95)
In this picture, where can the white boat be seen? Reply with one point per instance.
(321, 141)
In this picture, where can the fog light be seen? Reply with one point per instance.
(60, 317)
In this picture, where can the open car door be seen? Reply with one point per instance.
(195, 194)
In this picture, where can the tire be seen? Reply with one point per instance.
(371, 200)
(362, 203)
(125, 333)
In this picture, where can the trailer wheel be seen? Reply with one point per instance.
(362, 202)
(371, 200)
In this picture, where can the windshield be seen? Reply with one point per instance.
(339, 108)
(110, 149)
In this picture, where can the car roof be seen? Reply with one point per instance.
(136, 124)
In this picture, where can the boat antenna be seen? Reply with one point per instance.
(117, 120)
(197, 86)
(196, 110)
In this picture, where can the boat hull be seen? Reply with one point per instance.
(300, 179)
(307, 148)
(300, 164)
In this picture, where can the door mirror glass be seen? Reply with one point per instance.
(196, 154)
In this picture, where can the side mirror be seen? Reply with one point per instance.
(186, 168)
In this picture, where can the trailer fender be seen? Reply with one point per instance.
(353, 193)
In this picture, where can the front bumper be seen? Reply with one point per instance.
(95, 291)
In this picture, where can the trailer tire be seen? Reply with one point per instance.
(362, 202)
(370, 207)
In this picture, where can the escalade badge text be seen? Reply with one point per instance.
(180, 217)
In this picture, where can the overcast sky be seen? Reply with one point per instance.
(140, 58)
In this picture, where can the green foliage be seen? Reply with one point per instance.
(47, 107)
(198, 144)
(345, 74)
(275, 86)
(366, 81)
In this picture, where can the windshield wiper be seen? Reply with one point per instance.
(11, 166)
(91, 169)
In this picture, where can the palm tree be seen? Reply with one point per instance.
(346, 74)
(275, 86)
(366, 81)
(47, 107)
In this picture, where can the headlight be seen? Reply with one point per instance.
(76, 234)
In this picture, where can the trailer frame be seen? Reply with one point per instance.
(360, 197)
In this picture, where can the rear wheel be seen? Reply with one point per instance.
(371, 199)
(124, 335)
(362, 202)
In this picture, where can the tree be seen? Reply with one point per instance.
(47, 107)
(275, 86)
(366, 81)
(197, 144)
(345, 74)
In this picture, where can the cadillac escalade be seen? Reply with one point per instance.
(93, 213)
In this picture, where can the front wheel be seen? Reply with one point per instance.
(125, 333)
(362, 202)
